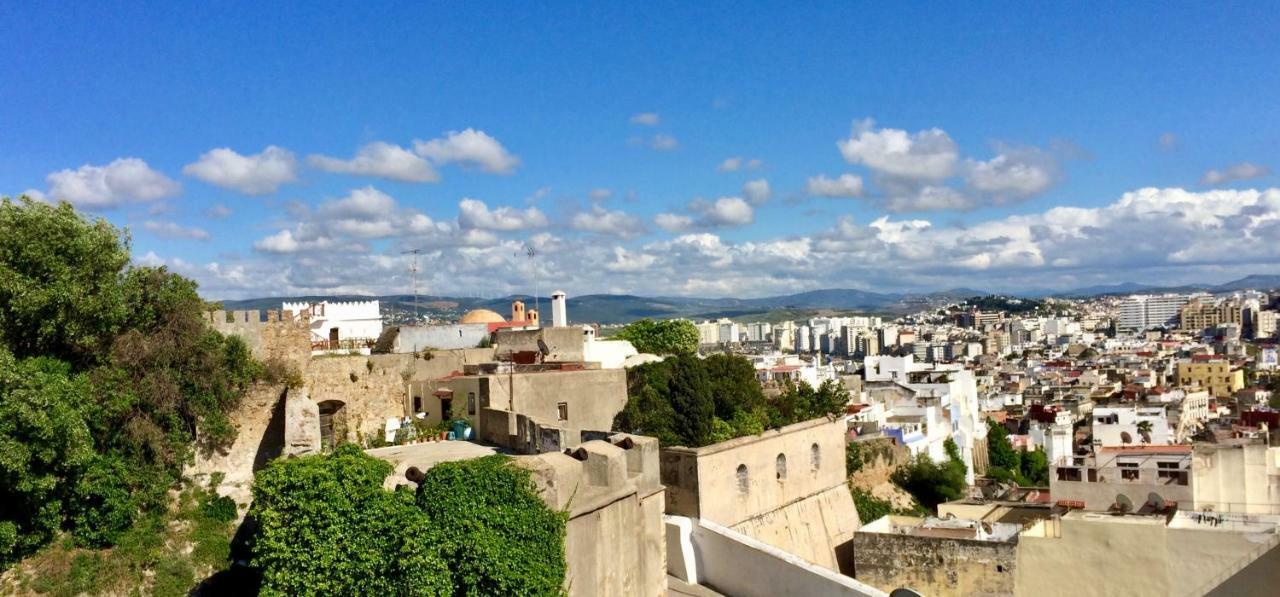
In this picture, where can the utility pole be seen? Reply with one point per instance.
(413, 271)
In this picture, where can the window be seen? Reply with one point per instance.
(742, 480)
(417, 404)
(471, 403)
(781, 464)
(815, 457)
(562, 411)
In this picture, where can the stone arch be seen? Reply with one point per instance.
(780, 463)
(333, 423)
(743, 481)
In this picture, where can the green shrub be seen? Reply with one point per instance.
(326, 526)
(102, 506)
(498, 537)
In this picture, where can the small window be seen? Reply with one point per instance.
(562, 410)
(815, 457)
(471, 403)
(742, 480)
(417, 404)
(781, 464)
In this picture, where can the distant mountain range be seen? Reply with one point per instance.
(622, 308)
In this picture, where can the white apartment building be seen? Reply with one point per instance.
(1142, 312)
(1124, 426)
(337, 322)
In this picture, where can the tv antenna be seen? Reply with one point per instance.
(413, 271)
(530, 252)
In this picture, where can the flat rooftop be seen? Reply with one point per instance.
(425, 456)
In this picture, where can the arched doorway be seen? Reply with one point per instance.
(333, 423)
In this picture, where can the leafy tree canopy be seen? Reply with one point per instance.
(672, 336)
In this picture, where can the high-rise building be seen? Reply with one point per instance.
(1143, 312)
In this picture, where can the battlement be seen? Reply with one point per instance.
(270, 335)
(336, 310)
(236, 320)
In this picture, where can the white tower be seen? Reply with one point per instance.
(559, 317)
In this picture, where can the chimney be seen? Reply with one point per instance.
(517, 311)
(559, 316)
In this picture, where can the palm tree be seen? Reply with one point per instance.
(1144, 429)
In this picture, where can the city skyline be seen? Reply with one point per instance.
(756, 152)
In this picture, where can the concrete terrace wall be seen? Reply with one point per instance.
(1140, 557)
(614, 540)
(703, 552)
(798, 503)
(935, 565)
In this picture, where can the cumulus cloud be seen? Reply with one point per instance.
(473, 213)
(612, 223)
(382, 160)
(663, 142)
(471, 148)
(928, 155)
(364, 214)
(258, 174)
(673, 222)
(1234, 173)
(845, 185)
(646, 118)
(725, 211)
(125, 180)
(757, 191)
(1017, 173)
(737, 163)
(174, 230)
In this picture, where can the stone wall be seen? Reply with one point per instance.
(259, 424)
(935, 565)
(277, 337)
(614, 540)
(785, 487)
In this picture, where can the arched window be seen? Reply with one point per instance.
(782, 466)
(815, 457)
(742, 480)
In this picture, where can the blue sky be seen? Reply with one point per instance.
(903, 147)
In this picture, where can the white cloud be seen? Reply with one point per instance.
(382, 160)
(646, 119)
(173, 230)
(1234, 173)
(599, 194)
(1017, 173)
(845, 185)
(35, 195)
(757, 191)
(663, 142)
(602, 221)
(673, 222)
(125, 180)
(258, 174)
(928, 198)
(625, 261)
(473, 213)
(928, 155)
(725, 211)
(469, 148)
(736, 163)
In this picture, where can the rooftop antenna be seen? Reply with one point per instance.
(413, 271)
(531, 253)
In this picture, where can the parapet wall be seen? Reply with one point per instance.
(935, 565)
(277, 336)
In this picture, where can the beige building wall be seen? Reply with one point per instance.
(1239, 478)
(1218, 377)
(785, 487)
(1131, 556)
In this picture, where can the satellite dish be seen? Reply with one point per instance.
(542, 348)
(1123, 503)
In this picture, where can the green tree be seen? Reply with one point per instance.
(734, 385)
(327, 527)
(1035, 468)
(1000, 453)
(60, 281)
(931, 483)
(689, 392)
(43, 441)
(802, 402)
(671, 336)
